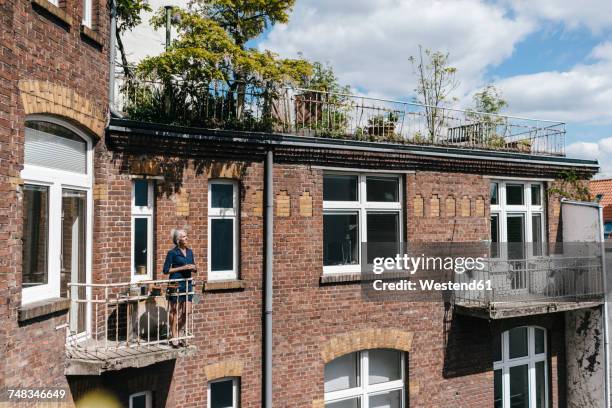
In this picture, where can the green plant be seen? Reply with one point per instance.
(572, 187)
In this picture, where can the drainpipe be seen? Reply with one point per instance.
(269, 228)
(606, 323)
(111, 62)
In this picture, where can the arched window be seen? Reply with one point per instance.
(57, 211)
(520, 369)
(366, 379)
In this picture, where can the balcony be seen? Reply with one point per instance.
(120, 325)
(317, 114)
(534, 285)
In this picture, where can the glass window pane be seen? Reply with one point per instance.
(536, 233)
(382, 189)
(35, 235)
(139, 401)
(517, 339)
(494, 192)
(347, 403)
(340, 239)
(498, 401)
(519, 387)
(141, 245)
(342, 373)
(494, 235)
(141, 193)
(497, 348)
(222, 394)
(536, 194)
(74, 210)
(391, 399)
(384, 366)
(514, 194)
(383, 235)
(339, 188)
(222, 195)
(515, 230)
(222, 244)
(539, 341)
(540, 384)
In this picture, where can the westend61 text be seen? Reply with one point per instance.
(413, 264)
(430, 284)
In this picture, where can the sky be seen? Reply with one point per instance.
(551, 59)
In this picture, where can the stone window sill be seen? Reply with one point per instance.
(53, 11)
(92, 36)
(221, 285)
(43, 308)
(340, 278)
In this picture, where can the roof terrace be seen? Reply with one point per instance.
(317, 114)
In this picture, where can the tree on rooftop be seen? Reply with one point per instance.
(211, 47)
(484, 113)
(435, 84)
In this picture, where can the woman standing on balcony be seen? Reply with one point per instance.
(180, 265)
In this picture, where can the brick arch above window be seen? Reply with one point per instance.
(228, 368)
(43, 97)
(366, 339)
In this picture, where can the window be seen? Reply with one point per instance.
(141, 400)
(359, 208)
(607, 230)
(520, 374)
(222, 230)
(366, 379)
(142, 229)
(517, 216)
(224, 393)
(88, 13)
(56, 235)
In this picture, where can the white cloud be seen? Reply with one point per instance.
(596, 15)
(600, 150)
(369, 42)
(581, 94)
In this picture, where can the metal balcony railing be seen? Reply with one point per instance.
(106, 320)
(518, 283)
(313, 113)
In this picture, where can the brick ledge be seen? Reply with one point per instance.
(92, 36)
(233, 284)
(341, 278)
(43, 308)
(53, 10)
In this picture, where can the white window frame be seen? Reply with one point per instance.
(88, 13)
(235, 390)
(530, 360)
(364, 390)
(221, 214)
(57, 180)
(148, 396)
(146, 212)
(527, 210)
(363, 207)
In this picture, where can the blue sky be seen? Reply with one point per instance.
(552, 59)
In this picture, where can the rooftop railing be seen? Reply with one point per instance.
(313, 113)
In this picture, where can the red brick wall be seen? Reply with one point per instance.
(35, 47)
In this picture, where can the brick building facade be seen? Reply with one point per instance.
(57, 72)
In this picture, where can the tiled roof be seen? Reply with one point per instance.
(603, 187)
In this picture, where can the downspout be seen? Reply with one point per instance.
(111, 63)
(606, 325)
(269, 231)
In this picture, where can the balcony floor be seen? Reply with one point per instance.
(504, 310)
(89, 358)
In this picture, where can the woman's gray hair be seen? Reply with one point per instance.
(175, 235)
